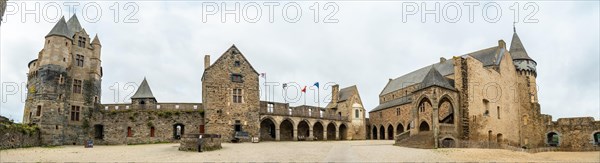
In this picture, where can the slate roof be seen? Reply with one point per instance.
(60, 29)
(392, 103)
(346, 93)
(489, 56)
(434, 78)
(96, 40)
(143, 91)
(66, 28)
(517, 50)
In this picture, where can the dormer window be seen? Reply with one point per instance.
(238, 78)
(81, 42)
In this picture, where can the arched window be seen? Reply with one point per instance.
(553, 139)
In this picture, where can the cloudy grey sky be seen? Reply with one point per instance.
(370, 43)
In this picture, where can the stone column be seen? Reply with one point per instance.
(295, 138)
(337, 133)
(277, 133)
(436, 126)
(324, 134)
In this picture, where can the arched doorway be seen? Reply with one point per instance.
(318, 131)
(343, 130)
(267, 129)
(390, 131)
(448, 143)
(446, 111)
(553, 139)
(424, 126)
(331, 131)
(178, 131)
(374, 133)
(399, 128)
(303, 130)
(499, 138)
(381, 132)
(286, 130)
(597, 138)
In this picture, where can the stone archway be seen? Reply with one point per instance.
(446, 110)
(553, 139)
(374, 133)
(596, 138)
(178, 131)
(343, 132)
(448, 143)
(318, 131)
(331, 131)
(286, 130)
(303, 130)
(390, 131)
(381, 132)
(424, 126)
(399, 128)
(267, 129)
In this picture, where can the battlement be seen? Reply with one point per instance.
(158, 106)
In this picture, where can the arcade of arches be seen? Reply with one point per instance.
(275, 128)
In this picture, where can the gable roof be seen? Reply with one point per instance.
(231, 49)
(434, 78)
(143, 91)
(488, 57)
(60, 29)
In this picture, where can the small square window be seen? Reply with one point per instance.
(176, 106)
(236, 64)
(237, 78)
(195, 107)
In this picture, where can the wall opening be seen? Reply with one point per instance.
(303, 130)
(448, 143)
(98, 131)
(390, 131)
(318, 131)
(374, 133)
(381, 133)
(424, 126)
(330, 131)
(152, 130)
(129, 132)
(267, 129)
(286, 130)
(178, 131)
(343, 130)
(552, 139)
(597, 138)
(399, 129)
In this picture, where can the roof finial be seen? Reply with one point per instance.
(514, 28)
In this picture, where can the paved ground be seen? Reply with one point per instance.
(332, 151)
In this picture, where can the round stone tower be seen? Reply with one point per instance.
(524, 65)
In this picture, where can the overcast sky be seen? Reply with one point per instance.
(364, 44)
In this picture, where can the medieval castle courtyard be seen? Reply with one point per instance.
(291, 151)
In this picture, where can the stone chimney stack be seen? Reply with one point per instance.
(335, 93)
(501, 44)
(206, 61)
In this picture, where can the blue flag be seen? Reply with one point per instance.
(316, 84)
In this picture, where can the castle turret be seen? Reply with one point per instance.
(95, 59)
(524, 65)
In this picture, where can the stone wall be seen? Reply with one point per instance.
(575, 134)
(13, 135)
(209, 142)
(136, 126)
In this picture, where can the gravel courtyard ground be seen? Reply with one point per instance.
(331, 151)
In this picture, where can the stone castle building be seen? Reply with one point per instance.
(64, 91)
(484, 98)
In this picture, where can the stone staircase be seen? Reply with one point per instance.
(423, 139)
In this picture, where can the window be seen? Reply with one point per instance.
(79, 60)
(61, 79)
(81, 42)
(75, 110)
(498, 110)
(356, 115)
(58, 110)
(237, 95)
(237, 78)
(76, 86)
(289, 111)
(422, 107)
(321, 113)
(270, 107)
(60, 96)
(380, 114)
(236, 64)
(39, 110)
(309, 112)
(486, 104)
(397, 111)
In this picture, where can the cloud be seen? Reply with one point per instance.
(369, 45)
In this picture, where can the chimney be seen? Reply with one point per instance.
(501, 44)
(335, 93)
(206, 61)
